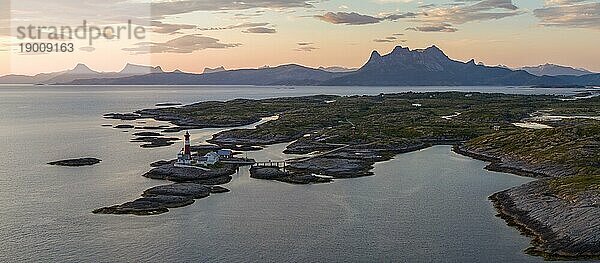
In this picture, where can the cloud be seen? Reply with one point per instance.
(444, 18)
(569, 14)
(164, 28)
(167, 8)
(184, 44)
(242, 25)
(305, 47)
(260, 30)
(395, 17)
(444, 27)
(390, 39)
(348, 18)
(354, 18)
(247, 15)
(383, 40)
(479, 11)
(464, 12)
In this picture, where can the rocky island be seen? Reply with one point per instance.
(77, 162)
(342, 137)
(190, 184)
(158, 200)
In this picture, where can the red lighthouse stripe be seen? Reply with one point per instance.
(187, 149)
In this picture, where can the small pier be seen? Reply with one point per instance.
(285, 163)
(278, 164)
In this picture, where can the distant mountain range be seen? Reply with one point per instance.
(431, 66)
(555, 70)
(80, 71)
(401, 67)
(281, 75)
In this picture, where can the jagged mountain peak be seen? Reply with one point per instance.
(133, 69)
(81, 69)
(213, 70)
(434, 48)
(375, 54)
(431, 58)
(436, 52)
(398, 50)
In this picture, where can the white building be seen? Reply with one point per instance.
(183, 158)
(209, 158)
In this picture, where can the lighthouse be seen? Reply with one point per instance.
(184, 157)
(186, 148)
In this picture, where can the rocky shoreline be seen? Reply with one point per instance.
(498, 164)
(561, 226)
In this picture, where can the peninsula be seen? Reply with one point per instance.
(554, 138)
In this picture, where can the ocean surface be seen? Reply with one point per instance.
(429, 205)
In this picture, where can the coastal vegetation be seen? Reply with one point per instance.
(386, 119)
(575, 185)
(572, 149)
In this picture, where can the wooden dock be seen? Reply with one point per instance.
(278, 164)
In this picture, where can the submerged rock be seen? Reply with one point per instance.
(155, 142)
(160, 127)
(218, 189)
(122, 116)
(124, 126)
(148, 134)
(76, 162)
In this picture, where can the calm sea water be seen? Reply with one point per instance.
(429, 205)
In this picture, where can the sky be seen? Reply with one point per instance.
(190, 35)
